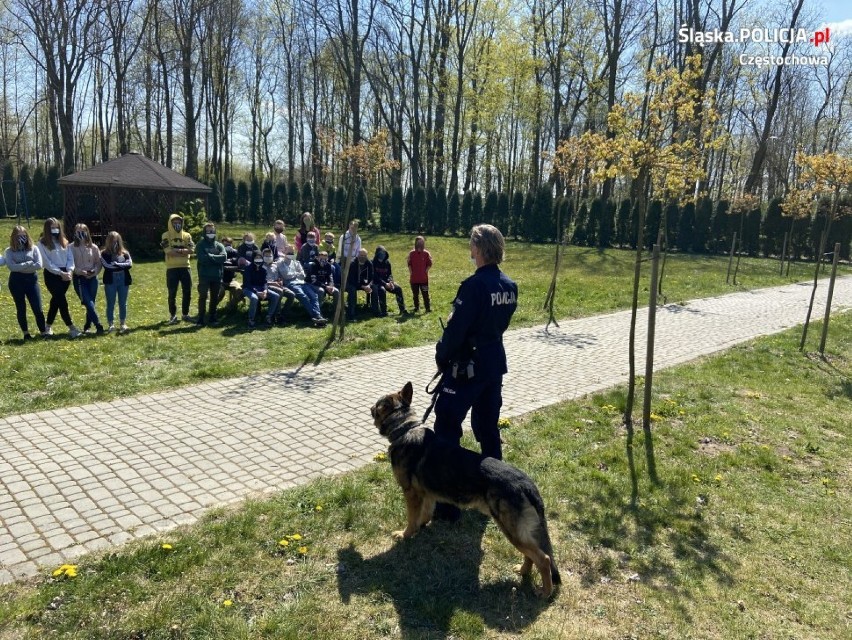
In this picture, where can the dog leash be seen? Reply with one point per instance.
(434, 392)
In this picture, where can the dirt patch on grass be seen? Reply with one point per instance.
(711, 447)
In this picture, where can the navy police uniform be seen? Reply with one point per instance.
(473, 336)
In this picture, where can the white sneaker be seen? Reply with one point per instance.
(111, 328)
(47, 331)
(173, 320)
(73, 332)
(124, 328)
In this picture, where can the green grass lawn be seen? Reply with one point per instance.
(45, 374)
(746, 535)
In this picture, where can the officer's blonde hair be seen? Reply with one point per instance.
(490, 242)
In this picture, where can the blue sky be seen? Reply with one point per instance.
(835, 10)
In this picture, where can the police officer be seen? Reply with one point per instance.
(470, 353)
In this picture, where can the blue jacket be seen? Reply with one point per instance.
(481, 313)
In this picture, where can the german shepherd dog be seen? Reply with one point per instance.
(431, 470)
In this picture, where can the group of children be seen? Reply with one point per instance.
(276, 272)
(65, 264)
(280, 273)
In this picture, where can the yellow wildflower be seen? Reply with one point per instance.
(380, 457)
(303, 550)
(284, 542)
(167, 546)
(227, 603)
(318, 507)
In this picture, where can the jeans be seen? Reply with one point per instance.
(87, 289)
(24, 287)
(207, 287)
(321, 295)
(119, 289)
(271, 297)
(58, 289)
(307, 295)
(174, 277)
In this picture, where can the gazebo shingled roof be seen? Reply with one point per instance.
(129, 194)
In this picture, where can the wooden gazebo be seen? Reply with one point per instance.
(130, 194)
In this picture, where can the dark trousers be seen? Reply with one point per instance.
(380, 298)
(58, 289)
(416, 290)
(208, 288)
(24, 288)
(174, 277)
(483, 398)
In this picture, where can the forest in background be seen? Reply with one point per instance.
(461, 107)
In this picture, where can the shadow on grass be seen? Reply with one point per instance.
(663, 534)
(433, 582)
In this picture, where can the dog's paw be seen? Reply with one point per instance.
(398, 535)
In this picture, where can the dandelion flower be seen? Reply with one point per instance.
(380, 457)
(67, 570)
(655, 417)
(296, 536)
(695, 478)
(167, 546)
(284, 542)
(318, 507)
(227, 603)
(303, 550)
(718, 477)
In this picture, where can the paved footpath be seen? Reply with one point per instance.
(86, 478)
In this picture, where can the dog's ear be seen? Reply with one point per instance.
(407, 393)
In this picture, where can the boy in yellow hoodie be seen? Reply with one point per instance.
(178, 246)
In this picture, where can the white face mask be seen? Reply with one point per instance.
(473, 261)
(267, 259)
(210, 236)
(54, 233)
(258, 262)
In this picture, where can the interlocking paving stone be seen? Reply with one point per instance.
(61, 497)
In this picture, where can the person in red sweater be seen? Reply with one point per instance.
(419, 263)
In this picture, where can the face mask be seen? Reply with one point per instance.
(22, 240)
(248, 243)
(288, 257)
(361, 260)
(82, 236)
(115, 248)
(54, 233)
(323, 261)
(473, 261)
(267, 259)
(381, 255)
(258, 261)
(210, 236)
(312, 242)
(177, 226)
(329, 242)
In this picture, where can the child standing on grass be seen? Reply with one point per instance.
(87, 266)
(24, 262)
(117, 264)
(419, 263)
